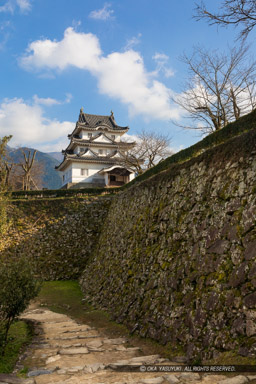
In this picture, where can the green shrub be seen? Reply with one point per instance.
(17, 287)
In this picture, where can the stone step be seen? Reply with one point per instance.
(71, 353)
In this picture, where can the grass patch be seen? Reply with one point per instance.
(19, 336)
(62, 297)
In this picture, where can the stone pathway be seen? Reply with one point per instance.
(66, 352)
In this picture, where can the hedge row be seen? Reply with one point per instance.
(52, 193)
(245, 123)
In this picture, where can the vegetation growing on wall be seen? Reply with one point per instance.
(234, 129)
(184, 270)
(57, 235)
(175, 254)
(55, 193)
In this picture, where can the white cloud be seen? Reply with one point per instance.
(69, 97)
(76, 49)
(24, 5)
(123, 76)
(161, 60)
(5, 28)
(120, 75)
(129, 138)
(48, 102)
(29, 126)
(76, 23)
(104, 13)
(4, 25)
(135, 40)
(45, 101)
(10, 6)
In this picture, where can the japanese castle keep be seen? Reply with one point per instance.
(95, 155)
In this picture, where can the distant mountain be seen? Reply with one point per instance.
(51, 178)
(56, 155)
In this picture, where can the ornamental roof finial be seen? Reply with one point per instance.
(112, 113)
(82, 110)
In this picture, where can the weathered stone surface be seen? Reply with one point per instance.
(187, 376)
(58, 235)
(94, 367)
(52, 359)
(173, 257)
(250, 251)
(250, 300)
(39, 372)
(154, 380)
(9, 379)
(219, 247)
(94, 344)
(74, 351)
(172, 379)
(235, 380)
(250, 328)
(178, 250)
(115, 341)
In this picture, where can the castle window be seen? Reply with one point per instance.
(113, 137)
(89, 135)
(100, 151)
(84, 172)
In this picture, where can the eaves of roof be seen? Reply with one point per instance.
(98, 160)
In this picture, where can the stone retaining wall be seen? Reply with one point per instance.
(176, 257)
(58, 236)
(173, 257)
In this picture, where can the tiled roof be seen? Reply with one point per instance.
(96, 159)
(93, 121)
(93, 143)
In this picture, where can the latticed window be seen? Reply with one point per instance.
(84, 172)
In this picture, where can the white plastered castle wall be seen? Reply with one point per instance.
(73, 173)
(85, 135)
(91, 170)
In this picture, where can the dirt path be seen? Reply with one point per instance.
(67, 352)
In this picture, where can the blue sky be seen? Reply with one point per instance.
(122, 55)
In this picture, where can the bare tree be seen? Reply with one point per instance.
(150, 149)
(8, 171)
(27, 167)
(232, 12)
(24, 173)
(16, 179)
(5, 166)
(220, 88)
